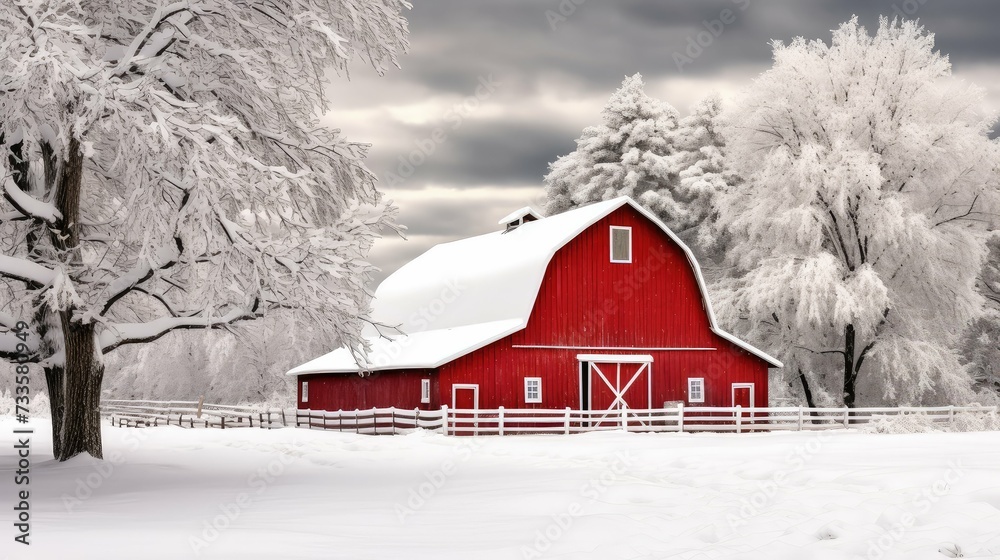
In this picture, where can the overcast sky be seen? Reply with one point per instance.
(510, 84)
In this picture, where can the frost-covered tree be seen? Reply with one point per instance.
(631, 153)
(989, 278)
(701, 161)
(249, 365)
(856, 237)
(165, 168)
(175, 367)
(244, 365)
(981, 343)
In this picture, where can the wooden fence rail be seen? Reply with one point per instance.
(190, 414)
(508, 421)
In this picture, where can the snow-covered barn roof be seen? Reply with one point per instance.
(460, 296)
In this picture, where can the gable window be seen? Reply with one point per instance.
(425, 391)
(305, 391)
(696, 389)
(621, 244)
(532, 389)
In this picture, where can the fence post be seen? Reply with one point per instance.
(800, 419)
(566, 421)
(847, 416)
(739, 419)
(375, 420)
(283, 424)
(416, 418)
(223, 422)
(444, 419)
(624, 418)
(392, 418)
(501, 419)
(951, 415)
(680, 417)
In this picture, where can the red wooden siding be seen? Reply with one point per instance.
(499, 370)
(347, 391)
(586, 300)
(591, 304)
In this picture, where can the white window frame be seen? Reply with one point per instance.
(527, 383)
(425, 391)
(611, 239)
(305, 391)
(692, 381)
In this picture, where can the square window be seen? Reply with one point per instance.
(532, 389)
(305, 391)
(621, 244)
(696, 389)
(425, 391)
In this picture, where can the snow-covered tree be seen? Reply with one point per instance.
(631, 153)
(701, 161)
(244, 365)
(165, 168)
(856, 238)
(981, 343)
(250, 365)
(175, 367)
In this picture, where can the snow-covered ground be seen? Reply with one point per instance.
(244, 494)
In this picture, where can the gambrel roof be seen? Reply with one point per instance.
(460, 296)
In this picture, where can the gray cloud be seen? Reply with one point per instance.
(485, 152)
(579, 63)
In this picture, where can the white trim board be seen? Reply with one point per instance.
(615, 358)
(622, 348)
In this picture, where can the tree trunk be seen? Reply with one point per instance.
(81, 429)
(809, 396)
(84, 368)
(850, 375)
(57, 405)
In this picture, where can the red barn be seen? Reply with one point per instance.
(598, 308)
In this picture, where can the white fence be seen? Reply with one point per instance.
(503, 421)
(190, 414)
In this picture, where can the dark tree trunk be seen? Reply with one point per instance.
(57, 405)
(850, 373)
(809, 396)
(81, 429)
(84, 369)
